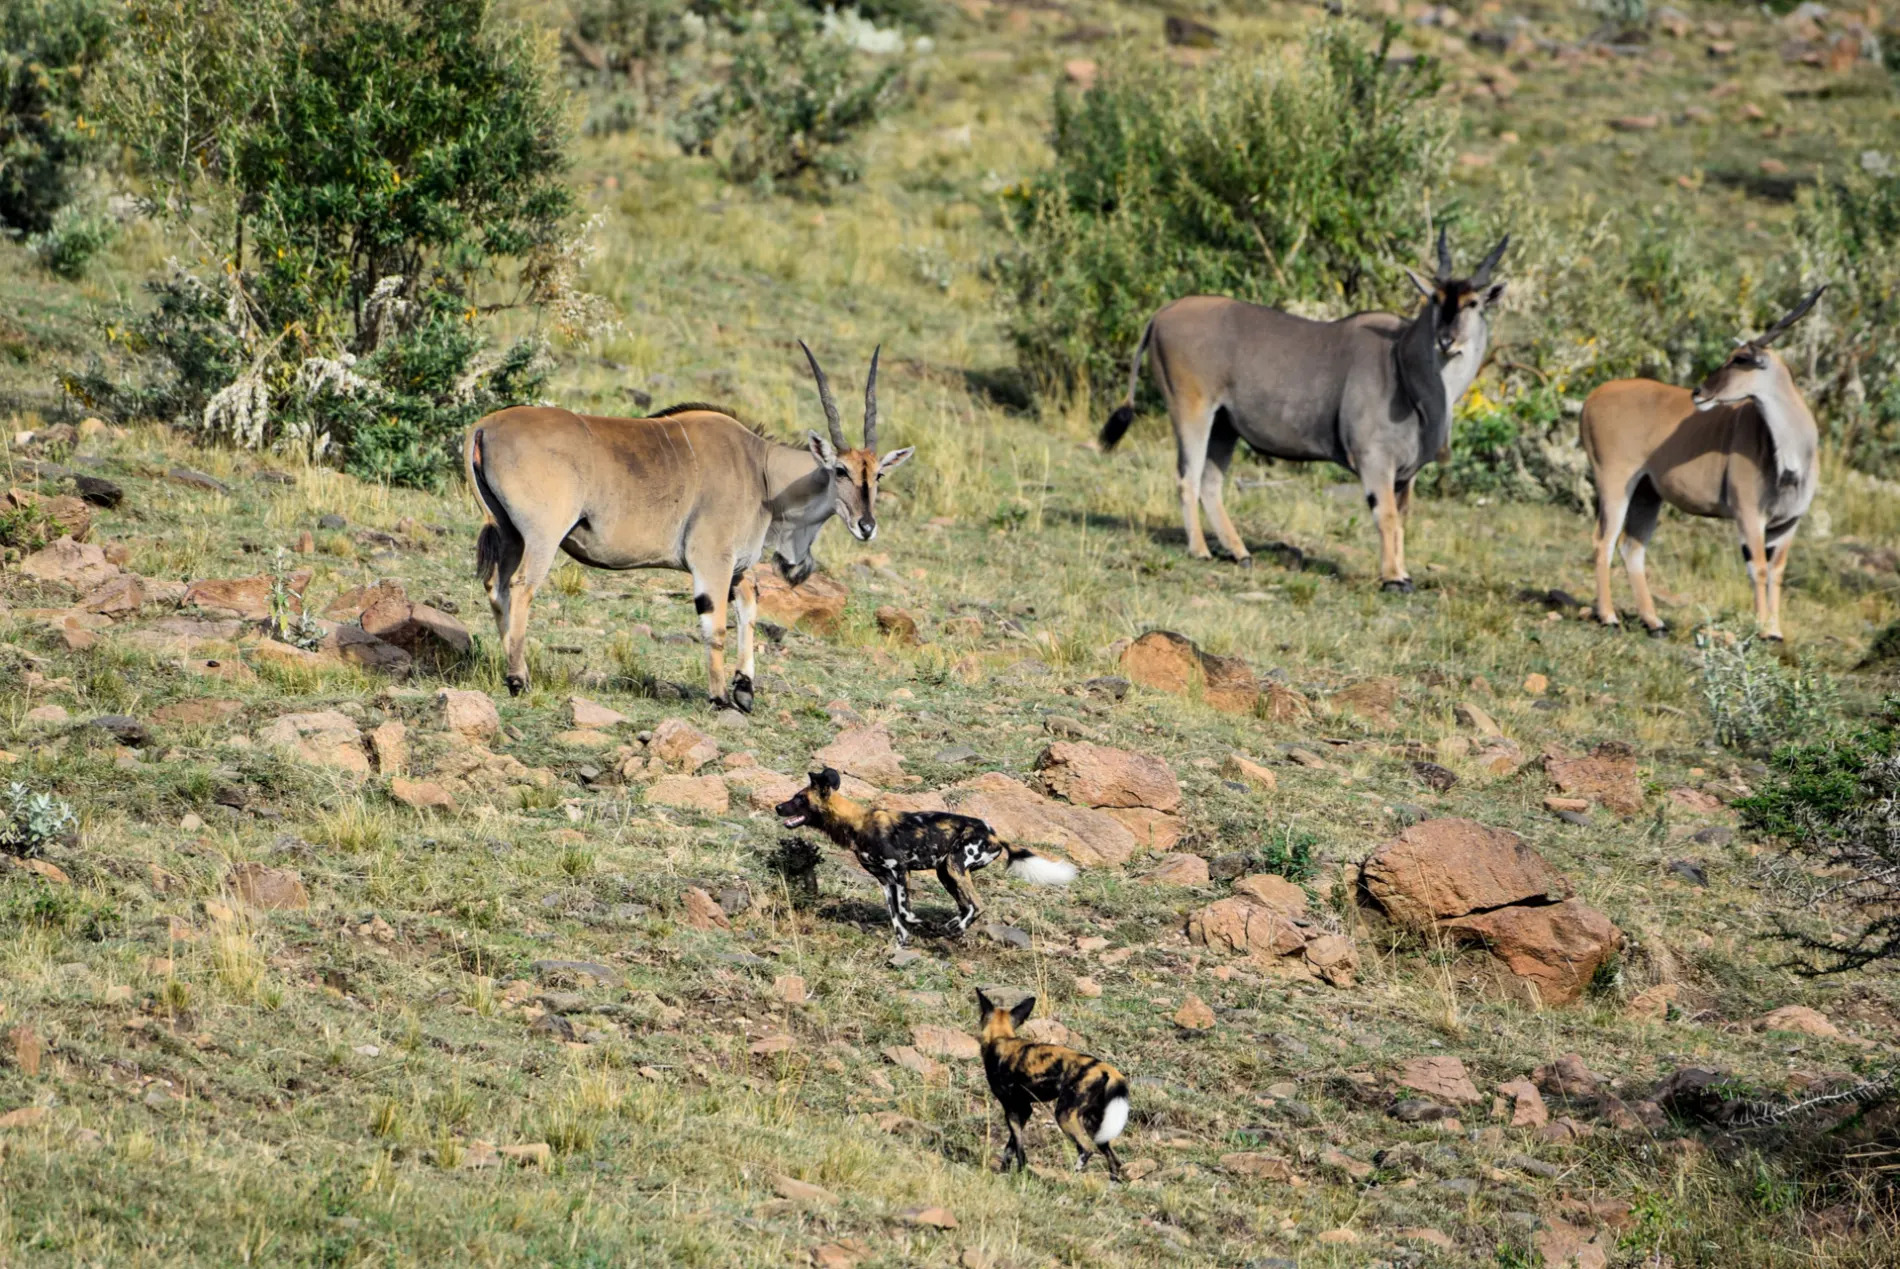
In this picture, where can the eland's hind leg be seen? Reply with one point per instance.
(537, 557)
(745, 597)
(1639, 524)
(1222, 438)
(1193, 415)
(712, 582)
(1612, 506)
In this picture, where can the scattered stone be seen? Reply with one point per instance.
(389, 745)
(693, 793)
(1419, 1110)
(791, 989)
(267, 889)
(354, 602)
(1689, 870)
(427, 634)
(1107, 686)
(702, 911)
(246, 598)
(198, 479)
(126, 730)
(1607, 777)
(816, 604)
(1473, 717)
(945, 1042)
(469, 714)
(47, 714)
(899, 624)
(1339, 1237)
(1436, 778)
(1799, 1019)
(1372, 700)
(1559, 805)
(1098, 776)
(99, 491)
(71, 516)
(928, 1217)
(1230, 685)
(1713, 835)
(82, 566)
(1008, 935)
(679, 746)
(588, 714)
(1154, 830)
(1553, 949)
(1268, 1167)
(1569, 1077)
(1238, 766)
(802, 1192)
(1179, 870)
(325, 738)
(1652, 1003)
(864, 752)
(1186, 32)
(119, 596)
(1566, 1246)
(911, 1060)
(421, 795)
(1170, 662)
(1440, 1078)
(24, 1117)
(1193, 1015)
(1447, 868)
(1536, 684)
(1527, 1104)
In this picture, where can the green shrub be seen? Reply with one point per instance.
(376, 164)
(1269, 178)
(792, 102)
(1755, 701)
(30, 820)
(47, 50)
(68, 245)
(1522, 448)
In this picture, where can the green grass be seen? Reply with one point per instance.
(227, 1107)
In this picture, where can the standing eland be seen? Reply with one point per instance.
(690, 488)
(1372, 392)
(1741, 447)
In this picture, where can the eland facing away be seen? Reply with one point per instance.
(1372, 392)
(1741, 447)
(690, 488)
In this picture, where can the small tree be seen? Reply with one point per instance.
(1268, 178)
(372, 164)
(48, 48)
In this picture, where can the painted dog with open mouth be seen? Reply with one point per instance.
(890, 844)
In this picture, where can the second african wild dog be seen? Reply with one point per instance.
(890, 844)
(1090, 1096)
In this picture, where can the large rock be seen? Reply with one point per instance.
(1095, 775)
(359, 647)
(1439, 869)
(79, 565)
(1371, 699)
(352, 603)
(866, 753)
(1154, 830)
(817, 603)
(1240, 924)
(1090, 838)
(324, 738)
(1442, 1079)
(1229, 684)
(425, 633)
(1171, 662)
(267, 889)
(246, 598)
(1607, 777)
(1555, 949)
(467, 713)
(762, 789)
(71, 516)
(119, 596)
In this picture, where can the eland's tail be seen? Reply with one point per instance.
(1124, 415)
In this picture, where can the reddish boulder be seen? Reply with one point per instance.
(1554, 948)
(817, 603)
(426, 634)
(1089, 838)
(1607, 777)
(1446, 868)
(1095, 775)
(246, 598)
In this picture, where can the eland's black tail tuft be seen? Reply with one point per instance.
(1117, 425)
(487, 554)
(1118, 422)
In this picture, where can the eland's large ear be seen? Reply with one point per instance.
(822, 450)
(1020, 1011)
(1493, 293)
(1417, 281)
(894, 459)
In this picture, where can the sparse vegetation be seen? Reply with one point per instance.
(33, 818)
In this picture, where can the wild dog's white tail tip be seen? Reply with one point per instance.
(1114, 1119)
(1042, 870)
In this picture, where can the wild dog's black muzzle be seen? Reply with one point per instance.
(793, 811)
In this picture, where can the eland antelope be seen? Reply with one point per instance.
(1372, 392)
(1742, 446)
(690, 488)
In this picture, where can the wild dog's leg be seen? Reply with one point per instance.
(537, 557)
(1639, 524)
(1220, 453)
(1613, 497)
(1778, 544)
(950, 872)
(1017, 1117)
(897, 900)
(1069, 1119)
(1114, 1163)
(712, 580)
(1383, 500)
(745, 597)
(1193, 416)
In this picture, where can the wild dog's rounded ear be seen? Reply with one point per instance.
(1020, 1011)
(894, 458)
(821, 449)
(828, 780)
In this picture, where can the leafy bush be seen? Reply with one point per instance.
(32, 820)
(793, 100)
(1269, 178)
(47, 50)
(73, 239)
(1756, 702)
(1836, 803)
(1521, 447)
(375, 165)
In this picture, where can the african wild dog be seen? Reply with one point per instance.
(1090, 1096)
(890, 844)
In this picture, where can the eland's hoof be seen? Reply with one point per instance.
(517, 684)
(1658, 632)
(1772, 638)
(1245, 561)
(1398, 585)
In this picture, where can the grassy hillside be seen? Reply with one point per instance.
(220, 1084)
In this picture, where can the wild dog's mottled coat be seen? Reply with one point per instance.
(1089, 1095)
(891, 844)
